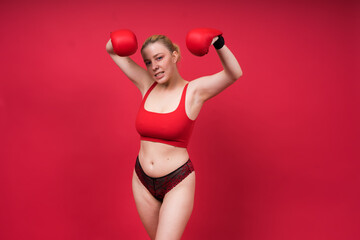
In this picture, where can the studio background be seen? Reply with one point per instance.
(276, 154)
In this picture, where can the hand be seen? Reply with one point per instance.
(214, 40)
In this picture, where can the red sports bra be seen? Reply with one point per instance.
(173, 128)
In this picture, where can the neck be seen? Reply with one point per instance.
(173, 82)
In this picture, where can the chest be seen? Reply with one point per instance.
(163, 102)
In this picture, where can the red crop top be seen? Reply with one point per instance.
(173, 128)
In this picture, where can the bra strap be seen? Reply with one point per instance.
(149, 90)
(183, 96)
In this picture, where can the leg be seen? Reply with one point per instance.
(176, 209)
(147, 206)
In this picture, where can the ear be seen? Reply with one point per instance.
(175, 56)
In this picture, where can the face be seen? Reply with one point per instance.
(160, 62)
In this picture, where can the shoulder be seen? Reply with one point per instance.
(148, 87)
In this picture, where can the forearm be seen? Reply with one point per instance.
(229, 63)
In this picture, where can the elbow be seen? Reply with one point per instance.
(236, 75)
(239, 72)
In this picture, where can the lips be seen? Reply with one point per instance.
(159, 74)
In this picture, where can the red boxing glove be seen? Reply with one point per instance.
(199, 40)
(124, 42)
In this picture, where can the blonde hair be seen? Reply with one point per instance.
(165, 41)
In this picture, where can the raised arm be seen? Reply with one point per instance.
(198, 42)
(125, 44)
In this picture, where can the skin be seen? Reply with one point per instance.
(167, 220)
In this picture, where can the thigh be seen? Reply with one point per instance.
(176, 209)
(147, 206)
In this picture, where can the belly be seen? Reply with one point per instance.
(158, 159)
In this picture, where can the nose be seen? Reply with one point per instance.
(154, 66)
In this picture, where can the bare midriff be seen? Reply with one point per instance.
(159, 159)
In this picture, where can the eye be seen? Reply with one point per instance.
(159, 58)
(147, 63)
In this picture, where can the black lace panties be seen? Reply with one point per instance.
(158, 187)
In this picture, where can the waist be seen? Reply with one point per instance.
(158, 159)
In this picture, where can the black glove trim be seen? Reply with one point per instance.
(218, 44)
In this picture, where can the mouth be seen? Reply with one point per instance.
(159, 74)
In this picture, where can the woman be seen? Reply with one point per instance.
(164, 178)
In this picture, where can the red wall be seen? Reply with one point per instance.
(276, 154)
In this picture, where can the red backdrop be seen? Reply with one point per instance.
(276, 154)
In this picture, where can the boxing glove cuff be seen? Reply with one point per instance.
(218, 44)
